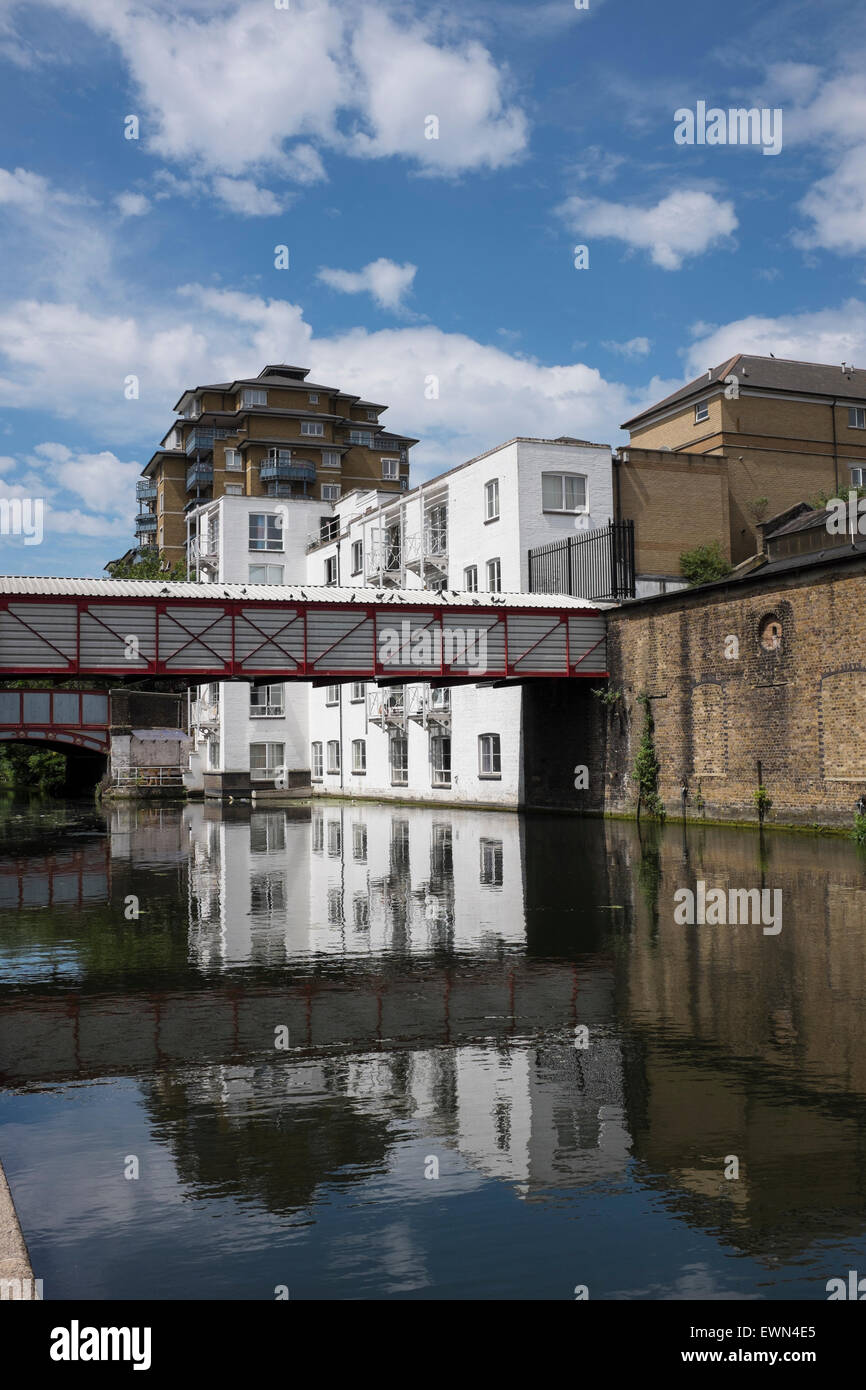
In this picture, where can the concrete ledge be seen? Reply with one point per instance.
(16, 1274)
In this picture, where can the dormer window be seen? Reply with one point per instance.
(313, 398)
(253, 396)
(372, 415)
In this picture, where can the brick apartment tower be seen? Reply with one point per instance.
(274, 435)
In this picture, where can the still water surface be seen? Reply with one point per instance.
(317, 1008)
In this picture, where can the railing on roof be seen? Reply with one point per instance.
(598, 564)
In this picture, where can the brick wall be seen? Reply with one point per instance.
(799, 709)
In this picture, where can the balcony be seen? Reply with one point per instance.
(431, 707)
(145, 521)
(429, 551)
(145, 491)
(279, 468)
(387, 708)
(199, 441)
(199, 475)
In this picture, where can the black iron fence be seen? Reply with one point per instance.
(595, 564)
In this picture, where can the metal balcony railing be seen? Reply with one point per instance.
(145, 521)
(282, 469)
(145, 490)
(199, 474)
(199, 440)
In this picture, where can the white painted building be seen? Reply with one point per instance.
(469, 529)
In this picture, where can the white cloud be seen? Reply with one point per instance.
(634, 347)
(821, 335)
(244, 196)
(50, 236)
(224, 89)
(132, 204)
(385, 280)
(684, 223)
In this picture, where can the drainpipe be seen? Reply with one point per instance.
(617, 461)
(835, 453)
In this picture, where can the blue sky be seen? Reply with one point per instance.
(410, 257)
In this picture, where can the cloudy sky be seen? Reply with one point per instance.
(307, 124)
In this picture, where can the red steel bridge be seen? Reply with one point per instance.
(130, 629)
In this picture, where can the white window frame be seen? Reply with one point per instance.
(313, 398)
(858, 477)
(233, 490)
(253, 396)
(358, 692)
(233, 461)
(372, 415)
(332, 574)
(332, 694)
(317, 761)
(399, 773)
(330, 458)
(313, 428)
(702, 412)
(390, 469)
(330, 492)
(494, 587)
(563, 510)
(359, 763)
(357, 557)
(273, 574)
(491, 500)
(269, 541)
(272, 706)
(490, 753)
(439, 776)
(361, 438)
(470, 579)
(333, 763)
(274, 762)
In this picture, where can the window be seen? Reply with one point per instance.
(770, 633)
(489, 756)
(330, 458)
(330, 492)
(333, 755)
(470, 579)
(391, 469)
(563, 492)
(361, 437)
(313, 398)
(702, 411)
(372, 415)
(267, 701)
(331, 569)
(491, 500)
(491, 863)
(359, 692)
(267, 832)
(332, 695)
(359, 755)
(494, 576)
(254, 396)
(399, 758)
(312, 427)
(266, 760)
(213, 754)
(440, 697)
(359, 842)
(440, 760)
(329, 528)
(266, 533)
(857, 476)
(335, 839)
(357, 556)
(360, 912)
(266, 574)
(234, 490)
(316, 766)
(437, 586)
(234, 462)
(856, 417)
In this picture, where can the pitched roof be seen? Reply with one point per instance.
(768, 374)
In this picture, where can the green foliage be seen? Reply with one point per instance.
(820, 500)
(859, 831)
(758, 507)
(26, 769)
(763, 801)
(607, 697)
(647, 767)
(703, 564)
(148, 566)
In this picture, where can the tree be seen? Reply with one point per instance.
(148, 566)
(704, 564)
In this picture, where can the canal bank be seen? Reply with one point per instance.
(16, 1274)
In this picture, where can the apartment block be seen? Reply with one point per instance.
(274, 435)
(469, 529)
(751, 438)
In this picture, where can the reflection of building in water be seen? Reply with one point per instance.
(267, 885)
(68, 876)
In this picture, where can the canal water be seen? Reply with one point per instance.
(363, 1051)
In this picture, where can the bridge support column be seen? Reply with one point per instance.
(564, 746)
